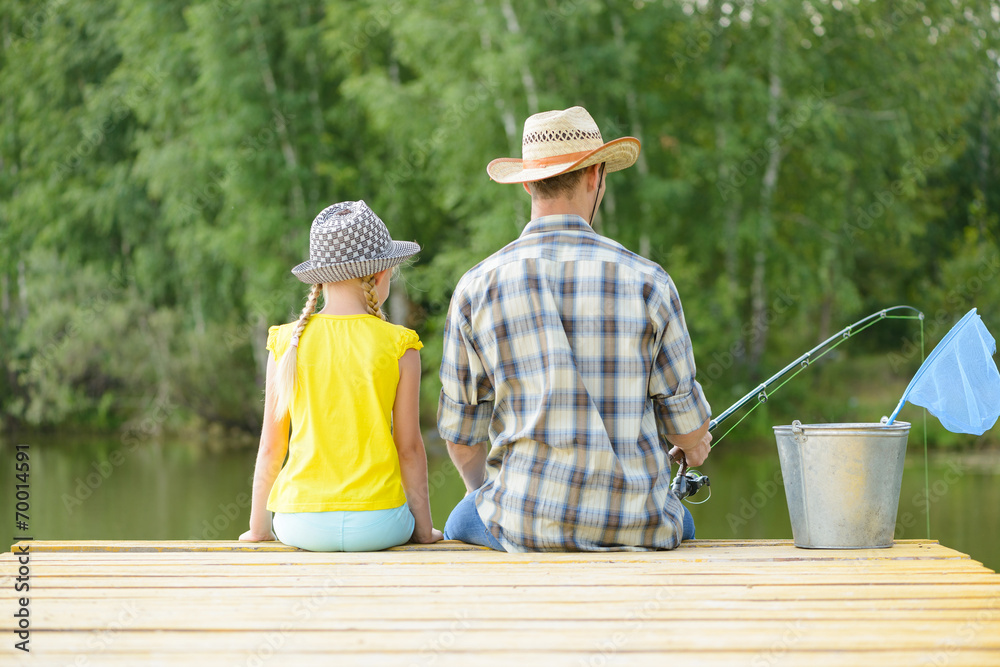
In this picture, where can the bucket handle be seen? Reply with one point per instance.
(797, 432)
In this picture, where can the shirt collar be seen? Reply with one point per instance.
(554, 223)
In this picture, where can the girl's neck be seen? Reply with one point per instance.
(345, 298)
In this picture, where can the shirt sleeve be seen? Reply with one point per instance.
(465, 409)
(272, 342)
(678, 400)
(408, 340)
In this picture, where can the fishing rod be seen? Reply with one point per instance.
(760, 392)
(688, 482)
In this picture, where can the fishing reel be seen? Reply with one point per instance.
(687, 483)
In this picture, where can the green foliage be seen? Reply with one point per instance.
(803, 164)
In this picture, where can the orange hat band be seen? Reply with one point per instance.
(555, 159)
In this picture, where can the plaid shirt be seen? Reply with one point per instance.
(570, 355)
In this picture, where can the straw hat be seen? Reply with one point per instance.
(347, 240)
(555, 142)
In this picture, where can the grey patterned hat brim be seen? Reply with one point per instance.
(312, 273)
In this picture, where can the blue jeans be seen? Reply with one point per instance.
(465, 525)
(366, 530)
(688, 533)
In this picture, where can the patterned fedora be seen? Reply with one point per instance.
(347, 240)
(555, 142)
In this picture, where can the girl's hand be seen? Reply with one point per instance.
(251, 536)
(435, 536)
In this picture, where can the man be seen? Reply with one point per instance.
(566, 360)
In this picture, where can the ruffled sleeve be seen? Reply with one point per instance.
(272, 342)
(408, 339)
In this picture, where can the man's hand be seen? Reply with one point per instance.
(696, 445)
(696, 455)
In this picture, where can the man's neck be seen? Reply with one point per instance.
(582, 201)
(560, 206)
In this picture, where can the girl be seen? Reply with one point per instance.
(348, 382)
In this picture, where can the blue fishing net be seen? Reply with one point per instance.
(959, 382)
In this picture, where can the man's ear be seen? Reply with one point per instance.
(526, 188)
(593, 177)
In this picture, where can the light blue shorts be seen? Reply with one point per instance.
(366, 530)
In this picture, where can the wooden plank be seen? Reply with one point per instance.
(210, 546)
(733, 553)
(457, 578)
(258, 651)
(791, 570)
(643, 635)
(523, 570)
(945, 594)
(527, 573)
(443, 544)
(204, 613)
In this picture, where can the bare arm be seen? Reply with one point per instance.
(410, 447)
(270, 456)
(696, 445)
(470, 460)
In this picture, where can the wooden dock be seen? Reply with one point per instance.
(710, 602)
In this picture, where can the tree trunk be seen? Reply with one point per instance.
(731, 236)
(159, 357)
(733, 201)
(826, 313)
(316, 81)
(198, 308)
(259, 351)
(22, 290)
(632, 107)
(5, 297)
(287, 149)
(506, 114)
(530, 90)
(258, 333)
(984, 158)
(765, 222)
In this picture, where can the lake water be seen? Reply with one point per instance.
(104, 489)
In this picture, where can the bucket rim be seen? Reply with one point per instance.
(845, 426)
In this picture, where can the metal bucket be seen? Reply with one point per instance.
(842, 482)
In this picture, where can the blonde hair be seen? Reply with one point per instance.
(284, 380)
(371, 296)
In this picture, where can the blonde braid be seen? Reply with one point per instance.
(371, 296)
(284, 386)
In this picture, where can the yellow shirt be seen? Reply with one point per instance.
(341, 455)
